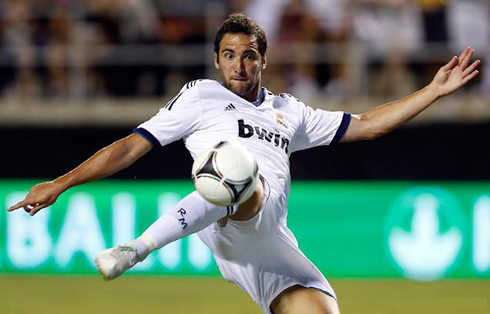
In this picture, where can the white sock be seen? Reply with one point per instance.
(192, 214)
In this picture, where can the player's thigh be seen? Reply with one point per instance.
(298, 299)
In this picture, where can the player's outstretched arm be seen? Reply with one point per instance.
(388, 117)
(105, 162)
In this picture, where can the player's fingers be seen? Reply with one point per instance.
(28, 207)
(451, 64)
(470, 77)
(17, 206)
(466, 60)
(37, 208)
(471, 68)
(465, 51)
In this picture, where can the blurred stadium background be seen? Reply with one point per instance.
(399, 225)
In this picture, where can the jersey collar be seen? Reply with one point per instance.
(259, 100)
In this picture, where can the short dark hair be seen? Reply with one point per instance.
(240, 23)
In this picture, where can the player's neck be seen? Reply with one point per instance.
(254, 95)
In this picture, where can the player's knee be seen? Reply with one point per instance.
(298, 299)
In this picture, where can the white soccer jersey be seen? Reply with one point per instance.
(260, 255)
(204, 113)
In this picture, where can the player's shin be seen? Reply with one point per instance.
(189, 216)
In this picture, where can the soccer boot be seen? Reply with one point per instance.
(113, 262)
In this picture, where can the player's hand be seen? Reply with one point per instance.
(40, 196)
(455, 74)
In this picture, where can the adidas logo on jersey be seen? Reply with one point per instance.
(247, 130)
(230, 107)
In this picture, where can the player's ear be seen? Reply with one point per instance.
(264, 62)
(216, 64)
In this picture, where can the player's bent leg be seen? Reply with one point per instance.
(192, 214)
(298, 299)
(188, 216)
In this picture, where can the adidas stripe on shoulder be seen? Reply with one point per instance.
(192, 83)
(286, 96)
(186, 87)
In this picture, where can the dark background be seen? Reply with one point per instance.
(427, 152)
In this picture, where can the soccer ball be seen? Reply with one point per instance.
(225, 174)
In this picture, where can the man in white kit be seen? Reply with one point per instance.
(251, 243)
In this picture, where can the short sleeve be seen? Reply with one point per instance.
(319, 127)
(177, 119)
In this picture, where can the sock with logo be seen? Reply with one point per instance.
(192, 214)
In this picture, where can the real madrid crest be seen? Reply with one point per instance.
(280, 119)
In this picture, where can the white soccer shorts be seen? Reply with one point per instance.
(261, 255)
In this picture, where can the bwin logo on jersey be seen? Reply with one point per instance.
(247, 130)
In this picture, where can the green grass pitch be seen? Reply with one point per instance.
(146, 294)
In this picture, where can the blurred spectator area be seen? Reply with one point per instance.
(66, 62)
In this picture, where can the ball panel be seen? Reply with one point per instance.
(201, 159)
(212, 189)
(223, 195)
(209, 166)
(235, 162)
(248, 190)
(226, 159)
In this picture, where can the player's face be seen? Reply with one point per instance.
(240, 64)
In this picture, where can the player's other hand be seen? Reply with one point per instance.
(40, 196)
(455, 74)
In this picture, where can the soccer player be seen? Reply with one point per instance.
(251, 243)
